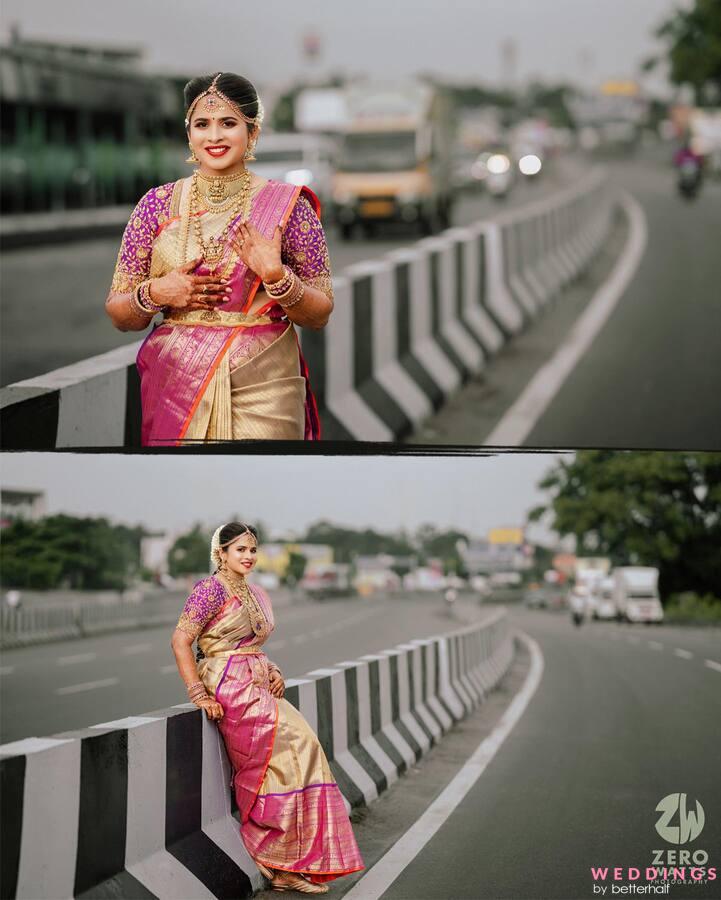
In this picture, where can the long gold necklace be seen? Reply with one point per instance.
(213, 248)
(239, 586)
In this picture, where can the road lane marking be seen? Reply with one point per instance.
(87, 686)
(7, 670)
(519, 420)
(404, 851)
(632, 639)
(684, 654)
(299, 638)
(77, 658)
(655, 645)
(712, 665)
(136, 648)
(166, 670)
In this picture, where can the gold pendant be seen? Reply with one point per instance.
(218, 191)
(213, 251)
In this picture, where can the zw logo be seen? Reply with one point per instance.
(691, 822)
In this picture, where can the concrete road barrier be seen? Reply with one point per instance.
(407, 331)
(141, 807)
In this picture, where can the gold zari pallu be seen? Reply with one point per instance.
(215, 318)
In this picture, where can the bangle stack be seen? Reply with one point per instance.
(287, 291)
(142, 302)
(197, 693)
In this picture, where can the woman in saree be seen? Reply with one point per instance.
(293, 819)
(233, 262)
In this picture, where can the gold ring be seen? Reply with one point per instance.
(205, 288)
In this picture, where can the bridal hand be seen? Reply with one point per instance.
(277, 685)
(213, 709)
(261, 255)
(180, 289)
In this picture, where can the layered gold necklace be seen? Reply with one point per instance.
(239, 588)
(237, 203)
(217, 190)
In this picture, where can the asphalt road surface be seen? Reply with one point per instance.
(622, 717)
(651, 377)
(53, 296)
(65, 685)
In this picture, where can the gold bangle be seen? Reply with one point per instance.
(137, 308)
(297, 297)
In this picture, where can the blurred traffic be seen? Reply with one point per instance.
(596, 592)
(86, 127)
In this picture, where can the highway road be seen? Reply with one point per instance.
(650, 378)
(622, 717)
(50, 688)
(53, 296)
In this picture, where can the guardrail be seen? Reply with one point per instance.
(141, 807)
(406, 332)
(42, 624)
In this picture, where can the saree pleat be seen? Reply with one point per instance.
(292, 814)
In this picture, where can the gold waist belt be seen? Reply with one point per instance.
(226, 654)
(215, 318)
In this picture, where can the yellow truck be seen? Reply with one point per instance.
(395, 160)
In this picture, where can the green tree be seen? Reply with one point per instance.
(66, 551)
(190, 554)
(296, 568)
(693, 49)
(643, 508)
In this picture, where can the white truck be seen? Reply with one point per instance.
(604, 605)
(635, 593)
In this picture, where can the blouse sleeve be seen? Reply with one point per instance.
(304, 247)
(133, 264)
(206, 600)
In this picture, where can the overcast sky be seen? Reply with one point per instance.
(170, 493)
(580, 40)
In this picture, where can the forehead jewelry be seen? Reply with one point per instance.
(213, 99)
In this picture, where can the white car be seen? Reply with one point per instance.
(303, 159)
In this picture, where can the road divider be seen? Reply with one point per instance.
(141, 807)
(43, 624)
(407, 331)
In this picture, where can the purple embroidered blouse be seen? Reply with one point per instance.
(205, 601)
(303, 246)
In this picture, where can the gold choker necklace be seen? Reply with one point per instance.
(216, 189)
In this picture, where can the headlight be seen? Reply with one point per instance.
(498, 164)
(299, 176)
(529, 164)
(408, 198)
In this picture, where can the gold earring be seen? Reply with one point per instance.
(249, 156)
(192, 158)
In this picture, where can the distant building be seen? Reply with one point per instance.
(275, 557)
(503, 550)
(154, 550)
(21, 504)
(85, 125)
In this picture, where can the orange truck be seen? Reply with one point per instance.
(395, 160)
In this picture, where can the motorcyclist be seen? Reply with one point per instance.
(577, 603)
(689, 165)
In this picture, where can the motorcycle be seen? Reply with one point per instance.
(689, 178)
